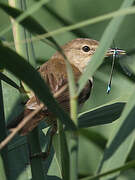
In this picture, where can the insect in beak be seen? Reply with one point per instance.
(115, 54)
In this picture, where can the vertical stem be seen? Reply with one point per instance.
(74, 109)
(64, 153)
(74, 140)
(34, 148)
(3, 153)
(74, 156)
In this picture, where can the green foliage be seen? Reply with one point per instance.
(3, 154)
(82, 152)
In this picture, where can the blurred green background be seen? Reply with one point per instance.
(73, 11)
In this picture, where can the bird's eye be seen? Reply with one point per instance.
(86, 48)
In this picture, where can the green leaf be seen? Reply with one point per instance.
(34, 148)
(2, 168)
(52, 163)
(62, 154)
(94, 137)
(9, 81)
(3, 153)
(121, 140)
(102, 115)
(129, 165)
(31, 77)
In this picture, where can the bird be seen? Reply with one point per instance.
(78, 52)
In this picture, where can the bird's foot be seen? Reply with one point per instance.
(42, 155)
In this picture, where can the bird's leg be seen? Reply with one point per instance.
(45, 154)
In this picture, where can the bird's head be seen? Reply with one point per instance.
(79, 51)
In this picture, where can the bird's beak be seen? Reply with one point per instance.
(115, 52)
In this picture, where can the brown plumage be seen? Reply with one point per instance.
(78, 52)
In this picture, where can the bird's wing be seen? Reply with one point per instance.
(55, 75)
